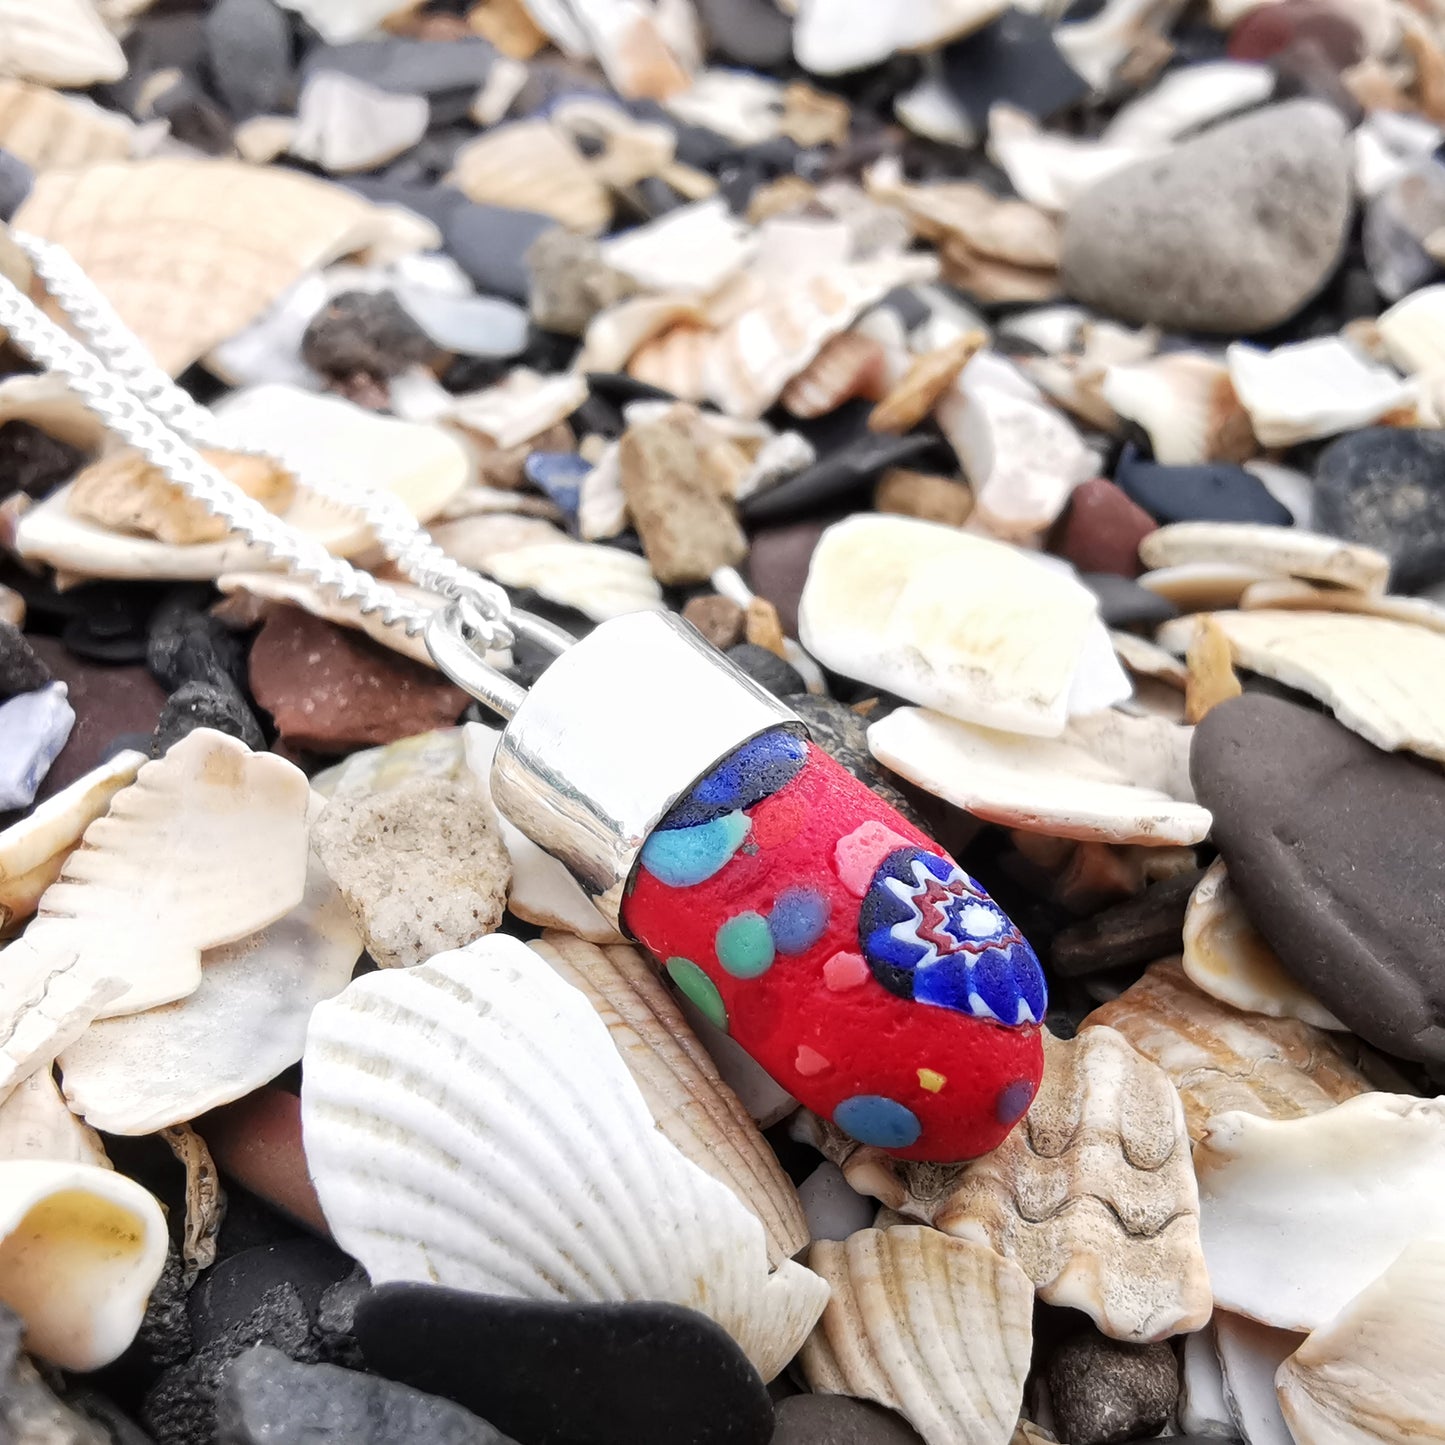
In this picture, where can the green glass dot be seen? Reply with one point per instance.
(745, 946)
(700, 989)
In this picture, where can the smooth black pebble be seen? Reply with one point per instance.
(1212, 492)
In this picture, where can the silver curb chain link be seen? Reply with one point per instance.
(120, 383)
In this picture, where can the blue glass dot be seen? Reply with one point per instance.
(798, 919)
(872, 1119)
(681, 857)
(1013, 1101)
(559, 475)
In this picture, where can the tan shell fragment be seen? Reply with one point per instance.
(126, 492)
(1375, 1375)
(57, 42)
(1292, 596)
(35, 1124)
(850, 365)
(939, 1329)
(1186, 403)
(693, 1107)
(1222, 1059)
(924, 384)
(1286, 551)
(190, 251)
(49, 130)
(1210, 664)
(46, 402)
(1226, 956)
(1381, 678)
(532, 166)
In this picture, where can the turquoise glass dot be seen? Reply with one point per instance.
(798, 919)
(698, 987)
(744, 945)
(681, 857)
(872, 1119)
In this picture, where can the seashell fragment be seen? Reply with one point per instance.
(939, 1329)
(46, 402)
(1211, 676)
(1195, 586)
(243, 1025)
(205, 1201)
(532, 166)
(35, 1124)
(48, 130)
(881, 605)
(1292, 596)
(208, 245)
(414, 1081)
(924, 384)
(1250, 1355)
(1413, 331)
(849, 365)
(1380, 678)
(1287, 551)
(1221, 1059)
(1098, 48)
(1050, 169)
(343, 124)
(1187, 98)
(1315, 389)
(1186, 403)
(1226, 956)
(1059, 786)
(81, 1248)
(1348, 1187)
(834, 36)
(521, 407)
(33, 851)
(61, 43)
(692, 250)
(680, 1084)
(1374, 1372)
(597, 580)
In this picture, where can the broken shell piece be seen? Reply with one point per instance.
(939, 1329)
(244, 1024)
(33, 851)
(532, 166)
(1292, 596)
(693, 1108)
(834, 36)
(1099, 47)
(1250, 1355)
(1048, 168)
(1148, 659)
(81, 1248)
(848, 366)
(46, 402)
(521, 407)
(35, 1124)
(1380, 678)
(692, 250)
(205, 1200)
(414, 1080)
(1196, 586)
(1186, 403)
(1413, 330)
(1226, 956)
(1211, 676)
(125, 492)
(204, 848)
(1187, 98)
(343, 124)
(1221, 1059)
(927, 380)
(1286, 551)
(1374, 1372)
(882, 605)
(1277, 1197)
(62, 44)
(1059, 786)
(47, 130)
(1315, 389)
(208, 244)
(597, 580)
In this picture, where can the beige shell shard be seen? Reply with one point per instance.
(35, 1124)
(849, 365)
(1198, 586)
(1098, 47)
(1288, 595)
(58, 999)
(882, 604)
(939, 1329)
(1347, 1187)
(1285, 551)
(343, 124)
(47, 403)
(414, 1082)
(1381, 678)
(242, 1026)
(48, 130)
(1226, 956)
(205, 1201)
(1186, 403)
(339, 21)
(1374, 1374)
(1190, 97)
(532, 166)
(834, 36)
(599, 581)
(521, 407)
(81, 1248)
(1413, 330)
(1059, 786)
(33, 851)
(1220, 1058)
(190, 250)
(1316, 389)
(61, 43)
(1148, 659)
(693, 1107)
(692, 250)
(1048, 168)
(1250, 1355)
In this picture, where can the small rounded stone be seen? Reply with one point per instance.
(872, 1119)
(745, 945)
(700, 989)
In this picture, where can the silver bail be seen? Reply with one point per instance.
(610, 736)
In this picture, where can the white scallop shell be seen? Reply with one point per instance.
(680, 1083)
(60, 43)
(939, 1329)
(242, 1026)
(1375, 1373)
(81, 1248)
(1299, 1215)
(469, 1122)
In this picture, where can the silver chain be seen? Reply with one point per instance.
(122, 385)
